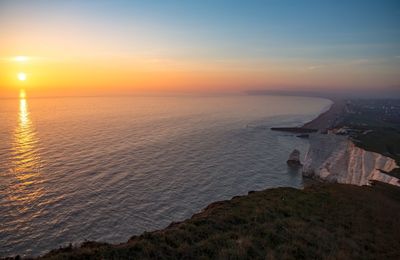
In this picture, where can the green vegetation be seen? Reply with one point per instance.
(381, 140)
(375, 126)
(325, 221)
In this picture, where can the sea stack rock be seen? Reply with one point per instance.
(294, 159)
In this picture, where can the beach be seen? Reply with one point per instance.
(270, 223)
(328, 119)
(324, 121)
(107, 168)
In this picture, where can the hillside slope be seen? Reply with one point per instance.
(323, 221)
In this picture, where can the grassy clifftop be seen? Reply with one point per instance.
(324, 221)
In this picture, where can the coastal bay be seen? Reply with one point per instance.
(199, 129)
(270, 223)
(104, 169)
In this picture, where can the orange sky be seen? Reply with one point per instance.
(116, 75)
(96, 48)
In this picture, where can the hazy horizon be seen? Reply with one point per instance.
(120, 118)
(61, 48)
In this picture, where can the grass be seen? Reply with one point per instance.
(385, 141)
(325, 221)
(376, 133)
(321, 222)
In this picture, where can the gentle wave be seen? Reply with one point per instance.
(104, 169)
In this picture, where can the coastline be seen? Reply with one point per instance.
(338, 155)
(327, 119)
(320, 221)
(137, 245)
(79, 243)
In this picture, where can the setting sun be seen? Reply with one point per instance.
(122, 120)
(21, 58)
(22, 76)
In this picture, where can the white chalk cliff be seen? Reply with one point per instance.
(335, 158)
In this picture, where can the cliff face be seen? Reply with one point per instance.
(335, 158)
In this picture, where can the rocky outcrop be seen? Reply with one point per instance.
(334, 158)
(294, 159)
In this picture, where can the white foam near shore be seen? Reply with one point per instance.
(335, 158)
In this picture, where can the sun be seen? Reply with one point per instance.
(21, 76)
(21, 58)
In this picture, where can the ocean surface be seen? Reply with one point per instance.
(104, 169)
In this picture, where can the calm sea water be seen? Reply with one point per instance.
(75, 169)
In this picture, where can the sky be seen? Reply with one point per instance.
(95, 47)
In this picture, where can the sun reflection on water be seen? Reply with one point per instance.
(26, 165)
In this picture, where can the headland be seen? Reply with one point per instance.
(324, 220)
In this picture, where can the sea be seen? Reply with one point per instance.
(74, 169)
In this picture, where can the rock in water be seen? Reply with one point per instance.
(294, 159)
